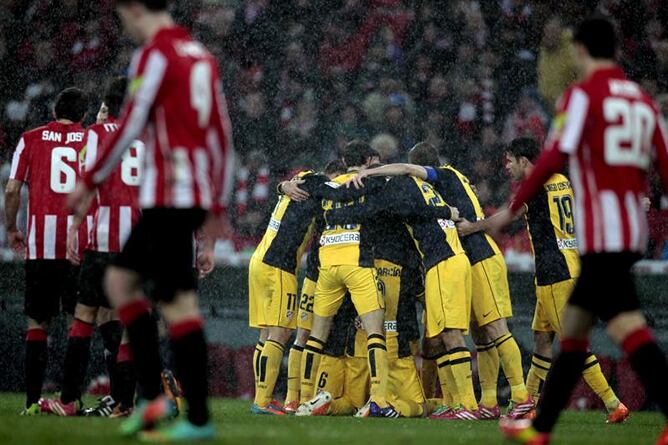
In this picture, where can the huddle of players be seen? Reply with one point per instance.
(59, 275)
(376, 248)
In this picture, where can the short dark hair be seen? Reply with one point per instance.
(335, 166)
(598, 35)
(115, 94)
(356, 153)
(423, 153)
(152, 5)
(524, 147)
(71, 104)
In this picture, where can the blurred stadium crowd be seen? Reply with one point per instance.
(303, 77)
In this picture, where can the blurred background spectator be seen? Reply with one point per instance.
(303, 77)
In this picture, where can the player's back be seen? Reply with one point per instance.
(288, 231)
(610, 124)
(435, 239)
(117, 206)
(46, 159)
(175, 95)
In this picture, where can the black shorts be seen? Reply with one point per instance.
(160, 249)
(605, 286)
(91, 278)
(51, 288)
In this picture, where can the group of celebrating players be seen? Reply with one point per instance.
(382, 237)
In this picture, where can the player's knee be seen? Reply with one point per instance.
(85, 313)
(624, 324)
(279, 334)
(184, 306)
(543, 343)
(432, 347)
(453, 338)
(373, 322)
(120, 285)
(302, 336)
(34, 324)
(496, 329)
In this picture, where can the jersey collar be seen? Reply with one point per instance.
(613, 72)
(170, 32)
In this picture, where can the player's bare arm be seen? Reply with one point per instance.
(389, 170)
(466, 227)
(12, 202)
(292, 190)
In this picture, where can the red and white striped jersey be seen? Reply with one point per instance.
(46, 159)
(176, 98)
(117, 201)
(611, 131)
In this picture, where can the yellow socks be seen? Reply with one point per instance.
(270, 365)
(594, 377)
(460, 364)
(540, 366)
(309, 367)
(488, 373)
(256, 361)
(511, 361)
(428, 374)
(447, 381)
(378, 369)
(294, 365)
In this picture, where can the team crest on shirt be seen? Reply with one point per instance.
(289, 314)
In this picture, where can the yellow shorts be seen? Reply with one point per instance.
(305, 317)
(550, 303)
(345, 377)
(404, 382)
(335, 281)
(448, 295)
(272, 296)
(490, 294)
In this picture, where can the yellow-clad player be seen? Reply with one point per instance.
(346, 266)
(400, 280)
(272, 285)
(490, 297)
(447, 278)
(551, 228)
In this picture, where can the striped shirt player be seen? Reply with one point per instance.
(116, 211)
(176, 105)
(46, 160)
(610, 130)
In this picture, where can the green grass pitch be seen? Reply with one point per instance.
(237, 426)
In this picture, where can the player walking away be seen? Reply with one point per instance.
(175, 97)
(116, 210)
(551, 224)
(491, 305)
(610, 130)
(46, 160)
(305, 313)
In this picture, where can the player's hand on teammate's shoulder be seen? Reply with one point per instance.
(16, 241)
(356, 180)
(291, 189)
(454, 214)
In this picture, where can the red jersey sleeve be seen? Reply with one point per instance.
(661, 148)
(564, 139)
(20, 162)
(143, 89)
